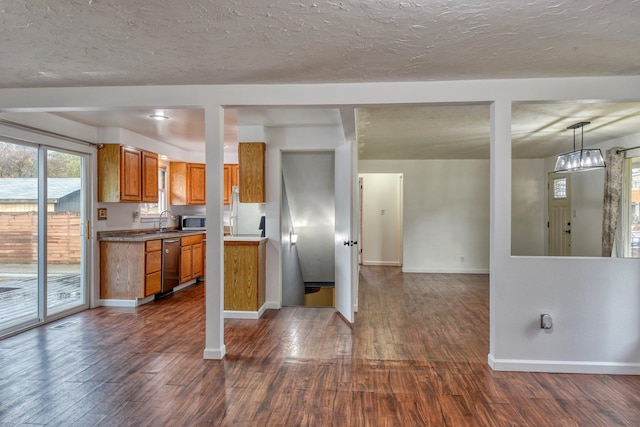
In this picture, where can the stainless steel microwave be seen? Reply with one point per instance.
(192, 222)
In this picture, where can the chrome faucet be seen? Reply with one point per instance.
(166, 224)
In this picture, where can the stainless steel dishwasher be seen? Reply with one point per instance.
(170, 264)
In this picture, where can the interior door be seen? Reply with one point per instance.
(559, 214)
(346, 239)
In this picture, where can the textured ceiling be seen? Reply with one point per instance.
(143, 42)
(539, 130)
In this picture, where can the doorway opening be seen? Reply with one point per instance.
(381, 218)
(308, 229)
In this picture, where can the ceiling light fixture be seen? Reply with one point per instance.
(158, 117)
(579, 160)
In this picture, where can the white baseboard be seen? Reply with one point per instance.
(383, 263)
(131, 303)
(565, 367)
(272, 305)
(214, 353)
(446, 271)
(233, 314)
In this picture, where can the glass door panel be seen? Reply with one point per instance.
(65, 239)
(19, 286)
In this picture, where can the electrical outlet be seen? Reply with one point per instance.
(102, 214)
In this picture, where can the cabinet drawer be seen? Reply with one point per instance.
(191, 240)
(153, 245)
(152, 283)
(153, 262)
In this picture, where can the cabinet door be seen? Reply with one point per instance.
(152, 283)
(196, 176)
(186, 263)
(251, 165)
(227, 184)
(149, 177)
(130, 174)
(198, 260)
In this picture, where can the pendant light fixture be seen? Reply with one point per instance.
(579, 160)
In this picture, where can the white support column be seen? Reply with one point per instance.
(500, 205)
(214, 316)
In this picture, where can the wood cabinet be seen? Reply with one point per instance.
(149, 177)
(187, 183)
(244, 275)
(152, 267)
(191, 257)
(130, 270)
(231, 179)
(127, 174)
(251, 156)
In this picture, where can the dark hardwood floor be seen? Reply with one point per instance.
(416, 356)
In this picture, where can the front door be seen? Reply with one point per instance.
(559, 214)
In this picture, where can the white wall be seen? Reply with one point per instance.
(594, 301)
(446, 213)
(309, 181)
(292, 282)
(381, 238)
(528, 201)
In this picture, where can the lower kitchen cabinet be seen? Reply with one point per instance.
(244, 275)
(191, 258)
(152, 267)
(130, 270)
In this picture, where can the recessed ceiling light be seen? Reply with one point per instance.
(158, 117)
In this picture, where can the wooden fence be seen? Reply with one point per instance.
(19, 237)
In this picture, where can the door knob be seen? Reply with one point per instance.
(346, 243)
(354, 242)
(567, 231)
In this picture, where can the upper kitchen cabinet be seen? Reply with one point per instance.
(127, 174)
(230, 180)
(251, 166)
(187, 183)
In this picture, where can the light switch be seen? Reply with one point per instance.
(545, 321)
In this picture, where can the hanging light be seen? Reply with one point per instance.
(579, 160)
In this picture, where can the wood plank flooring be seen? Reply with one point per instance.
(416, 356)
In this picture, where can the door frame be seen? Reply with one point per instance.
(86, 152)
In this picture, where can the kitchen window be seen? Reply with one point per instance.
(151, 211)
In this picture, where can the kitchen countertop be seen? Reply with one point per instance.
(143, 235)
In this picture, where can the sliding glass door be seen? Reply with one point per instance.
(43, 242)
(66, 229)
